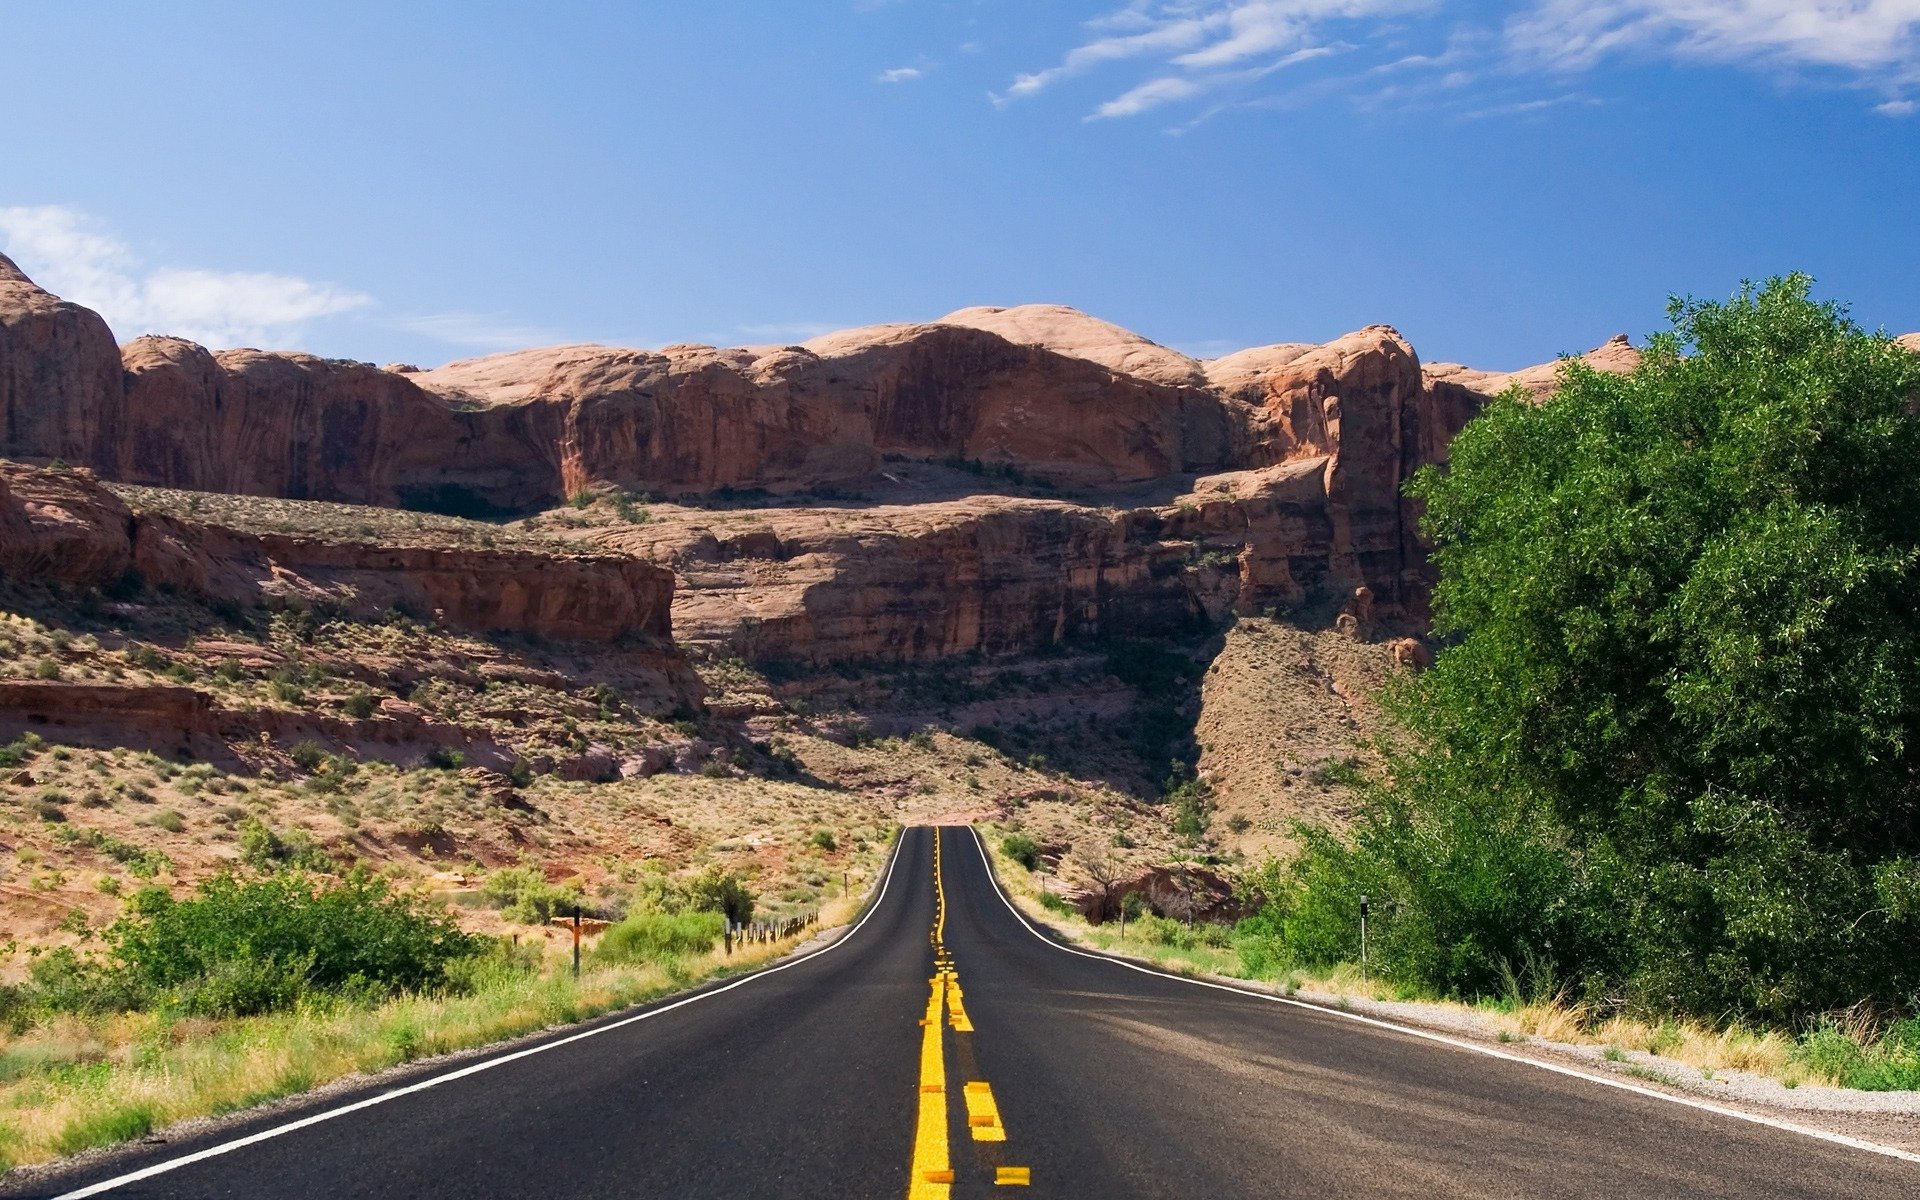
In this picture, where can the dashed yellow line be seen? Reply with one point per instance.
(931, 1175)
(932, 1172)
(983, 1115)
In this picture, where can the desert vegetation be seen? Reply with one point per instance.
(1663, 775)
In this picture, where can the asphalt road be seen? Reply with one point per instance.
(847, 1075)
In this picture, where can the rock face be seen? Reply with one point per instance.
(997, 574)
(306, 428)
(1616, 357)
(692, 419)
(59, 373)
(63, 526)
(1189, 489)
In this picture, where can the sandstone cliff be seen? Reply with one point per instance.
(66, 527)
(60, 386)
(1179, 489)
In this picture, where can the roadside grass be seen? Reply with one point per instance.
(74, 1084)
(1852, 1050)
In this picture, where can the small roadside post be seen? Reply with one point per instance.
(1363, 937)
(576, 941)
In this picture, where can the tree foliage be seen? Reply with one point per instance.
(1671, 750)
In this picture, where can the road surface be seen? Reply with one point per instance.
(944, 1049)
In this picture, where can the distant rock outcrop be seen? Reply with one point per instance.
(60, 386)
(65, 527)
(1187, 489)
(1616, 357)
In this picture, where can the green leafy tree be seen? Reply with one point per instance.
(1672, 747)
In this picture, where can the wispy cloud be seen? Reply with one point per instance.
(899, 75)
(481, 331)
(1161, 35)
(787, 331)
(1183, 51)
(1523, 108)
(1875, 38)
(1200, 46)
(72, 255)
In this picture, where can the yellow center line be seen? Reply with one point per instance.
(931, 1174)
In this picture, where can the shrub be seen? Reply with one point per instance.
(359, 705)
(524, 895)
(823, 839)
(308, 754)
(721, 891)
(19, 751)
(265, 850)
(654, 936)
(1021, 849)
(245, 946)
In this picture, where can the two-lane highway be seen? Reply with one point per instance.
(945, 1048)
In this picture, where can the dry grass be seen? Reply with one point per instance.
(72, 1084)
(334, 522)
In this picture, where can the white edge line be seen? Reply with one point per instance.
(1457, 1043)
(174, 1164)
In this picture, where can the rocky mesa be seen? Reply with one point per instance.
(995, 481)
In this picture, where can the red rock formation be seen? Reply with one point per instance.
(691, 419)
(65, 527)
(1616, 357)
(1306, 449)
(991, 574)
(301, 427)
(59, 374)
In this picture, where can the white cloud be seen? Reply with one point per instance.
(70, 255)
(899, 75)
(1173, 33)
(482, 331)
(788, 331)
(1151, 94)
(1875, 39)
(1202, 45)
(1183, 50)
(1522, 108)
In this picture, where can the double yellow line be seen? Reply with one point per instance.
(932, 1172)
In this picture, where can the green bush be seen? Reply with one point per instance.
(823, 839)
(245, 946)
(19, 751)
(265, 850)
(1886, 1064)
(721, 891)
(524, 895)
(1021, 849)
(655, 936)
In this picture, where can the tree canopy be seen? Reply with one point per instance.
(1670, 750)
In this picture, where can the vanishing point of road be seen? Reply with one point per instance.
(945, 1048)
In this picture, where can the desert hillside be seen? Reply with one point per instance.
(599, 612)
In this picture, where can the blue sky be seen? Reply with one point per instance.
(428, 181)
